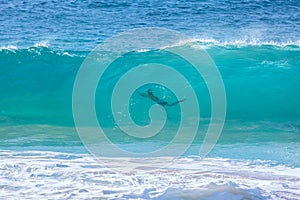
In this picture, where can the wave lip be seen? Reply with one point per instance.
(41, 49)
(41, 44)
(8, 47)
(251, 42)
(204, 42)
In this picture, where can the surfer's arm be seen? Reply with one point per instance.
(143, 94)
(176, 102)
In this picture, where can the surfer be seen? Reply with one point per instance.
(158, 100)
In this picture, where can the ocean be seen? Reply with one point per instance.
(235, 135)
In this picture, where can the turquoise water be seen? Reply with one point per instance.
(255, 45)
(261, 83)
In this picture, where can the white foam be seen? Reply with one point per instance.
(143, 50)
(210, 42)
(180, 43)
(202, 43)
(37, 174)
(68, 54)
(9, 47)
(44, 43)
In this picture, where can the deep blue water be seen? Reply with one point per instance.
(73, 24)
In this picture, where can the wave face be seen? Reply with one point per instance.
(36, 84)
(261, 83)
